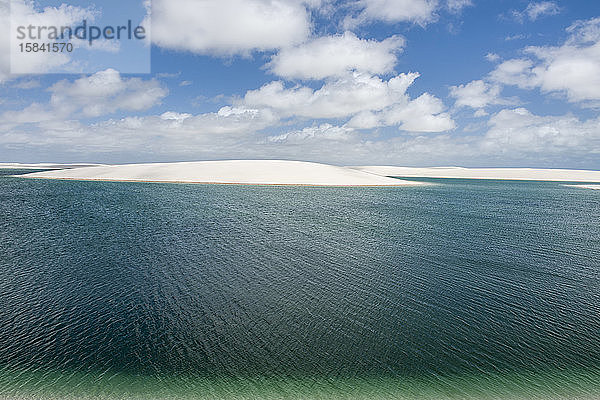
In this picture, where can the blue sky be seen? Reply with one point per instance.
(395, 82)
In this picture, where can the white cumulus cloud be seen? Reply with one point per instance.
(335, 56)
(477, 94)
(228, 27)
(390, 11)
(105, 92)
(518, 131)
(24, 13)
(335, 99)
(367, 100)
(423, 114)
(102, 93)
(572, 68)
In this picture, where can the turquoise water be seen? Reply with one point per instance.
(458, 289)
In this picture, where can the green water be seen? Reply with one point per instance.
(458, 289)
(69, 385)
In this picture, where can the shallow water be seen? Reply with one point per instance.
(459, 289)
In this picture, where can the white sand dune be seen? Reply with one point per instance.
(593, 187)
(561, 175)
(260, 172)
(278, 172)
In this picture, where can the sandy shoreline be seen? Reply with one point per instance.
(242, 172)
(214, 183)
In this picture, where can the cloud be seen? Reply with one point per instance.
(535, 10)
(520, 132)
(335, 99)
(423, 114)
(420, 12)
(572, 69)
(236, 130)
(167, 75)
(511, 137)
(103, 93)
(4, 40)
(228, 27)
(227, 121)
(335, 56)
(369, 100)
(456, 6)
(323, 132)
(480, 113)
(21, 12)
(33, 113)
(477, 94)
(543, 8)
(492, 57)
(584, 31)
(514, 72)
(519, 36)
(169, 133)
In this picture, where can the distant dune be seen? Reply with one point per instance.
(562, 175)
(43, 166)
(259, 172)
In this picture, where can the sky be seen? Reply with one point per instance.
(473, 83)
